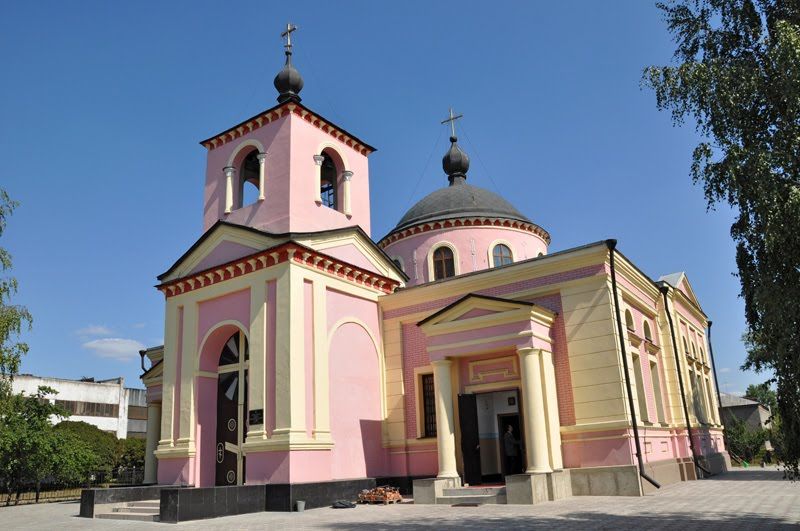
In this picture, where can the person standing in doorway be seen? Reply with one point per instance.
(511, 449)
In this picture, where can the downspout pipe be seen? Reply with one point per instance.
(612, 244)
(714, 368)
(664, 290)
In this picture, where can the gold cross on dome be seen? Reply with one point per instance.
(452, 121)
(287, 34)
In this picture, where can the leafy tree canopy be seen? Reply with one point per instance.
(31, 451)
(763, 394)
(737, 77)
(13, 318)
(102, 444)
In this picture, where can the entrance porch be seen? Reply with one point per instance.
(485, 350)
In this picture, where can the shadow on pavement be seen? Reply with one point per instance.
(577, 520)
(750, 474)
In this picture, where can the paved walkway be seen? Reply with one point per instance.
(742, 499)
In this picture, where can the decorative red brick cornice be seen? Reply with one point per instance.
(284, 109)
(460, 223)
(289, 251)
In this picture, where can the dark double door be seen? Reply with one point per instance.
(231, 405)
(470, 441)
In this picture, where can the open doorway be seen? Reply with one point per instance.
(511, 449)
(483, 425)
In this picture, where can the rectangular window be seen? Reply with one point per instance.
(428, 406)
(656, 379)
(137, 412)
(89, 409)
(640, 394)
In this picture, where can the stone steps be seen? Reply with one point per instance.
(143, 511)
(119, 515)
(472, 496)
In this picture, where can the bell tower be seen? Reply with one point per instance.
(287, 169)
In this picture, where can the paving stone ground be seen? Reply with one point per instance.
(741, 499)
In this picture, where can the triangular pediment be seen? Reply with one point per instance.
(226, 242)
(680, 282)
(352, 246)
(478, 311)
(220, 244)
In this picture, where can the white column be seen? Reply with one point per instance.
(535, 419)
(318, 160)
(153, 435)
(262, 163)
(445, 432)
(347, 175)
(258, 359)
(229, 172)
(551, 411)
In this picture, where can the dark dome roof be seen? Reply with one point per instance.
(459, 200)
(289, 82)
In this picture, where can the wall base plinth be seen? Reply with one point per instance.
(427, 490)
(532, 489)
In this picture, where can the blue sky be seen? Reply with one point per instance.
(102, 105)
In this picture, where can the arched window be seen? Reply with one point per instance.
(328, 182)
(248, 179)
(399, 263)
(648, 335)
(629, 320)
(694, 350)
(685, 346)
(501, 255)
(443, 263)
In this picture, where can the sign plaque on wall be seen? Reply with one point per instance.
(255, 416)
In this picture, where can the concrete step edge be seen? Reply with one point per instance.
(142, 510)
(128, 516)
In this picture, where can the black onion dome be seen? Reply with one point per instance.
(455, 162)
(289, 82)
(459, 200)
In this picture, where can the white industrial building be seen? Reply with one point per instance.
(107, 404)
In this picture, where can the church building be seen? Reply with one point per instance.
(300, 349)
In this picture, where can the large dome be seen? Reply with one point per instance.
(459, 200)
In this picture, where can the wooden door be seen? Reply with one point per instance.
(470, 442)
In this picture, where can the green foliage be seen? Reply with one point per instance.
(13, 318)
(763, 394)
(130, 453)
(111, 453)
(743, 440)
(737, 76)
(101, 444)
(31, 451)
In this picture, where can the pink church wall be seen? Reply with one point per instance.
(223, 253)
(350, 254)
(177, 471)
(206, 430)
(267, 467)
(272, 213)
(307, 215)
(355, 389)
(523, 244)
(355, 405)
(289, 206)
(231, 307)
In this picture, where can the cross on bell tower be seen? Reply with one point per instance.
(287, 34)
(452, 121)
(289, 82)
